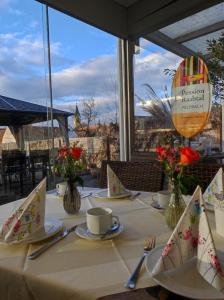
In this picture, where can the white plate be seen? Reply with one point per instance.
(185, 280)
(103, 195)
(51, 227)
(83, 232)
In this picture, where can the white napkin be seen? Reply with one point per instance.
(114, 186)
(192, 237)
(28, 218)
(215, 189)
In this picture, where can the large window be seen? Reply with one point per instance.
(154, 70)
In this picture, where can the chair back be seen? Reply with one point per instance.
(13, 159)
(137, 176)
(39, 156)
(203, 172)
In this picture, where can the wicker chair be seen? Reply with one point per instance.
(203, 172)
(137, 176)
(13, 168)
(39, 162)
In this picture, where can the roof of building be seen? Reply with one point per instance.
(17, 112)
(2, 132)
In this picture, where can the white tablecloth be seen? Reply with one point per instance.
(75, 268)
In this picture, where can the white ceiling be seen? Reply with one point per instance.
(126, 3)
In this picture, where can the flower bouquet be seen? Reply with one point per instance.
(174, 160)
(68, 165)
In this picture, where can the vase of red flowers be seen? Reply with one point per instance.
(174, 160)
(68, 165)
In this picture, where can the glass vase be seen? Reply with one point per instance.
(72, 198)
(175, 207)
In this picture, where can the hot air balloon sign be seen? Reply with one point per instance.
(191, 94)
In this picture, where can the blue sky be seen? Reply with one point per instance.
(84, 60)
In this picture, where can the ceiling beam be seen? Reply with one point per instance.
(147, 16)
(106, 15)
(166, 42)
(200, 32)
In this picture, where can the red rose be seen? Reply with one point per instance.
(188, 155)
(76, 153)
(63, 152)
(161, 152)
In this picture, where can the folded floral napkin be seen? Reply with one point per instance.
(192, 237)
(215, 189)
(114, 186)
(27, 219)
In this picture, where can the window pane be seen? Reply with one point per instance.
(23, 85)
(153, 123)
(84, 77)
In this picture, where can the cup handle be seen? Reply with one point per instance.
(155, 198)
(115, 220)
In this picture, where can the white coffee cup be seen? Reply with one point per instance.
(61, 188)
(100, 220)
(163, 198)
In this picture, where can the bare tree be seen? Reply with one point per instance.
(89, 112)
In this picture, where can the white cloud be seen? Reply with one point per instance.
(22, 74)
(150, 69)
(24, 55)
(8, 5)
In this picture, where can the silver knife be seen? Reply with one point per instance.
(58, 238)
(135, 195)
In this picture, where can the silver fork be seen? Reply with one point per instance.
(149, 244)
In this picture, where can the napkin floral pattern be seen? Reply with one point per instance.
(215, 189)
(192, 237)
(28, 218)
(115, 187)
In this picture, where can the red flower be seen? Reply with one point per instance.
(177, 168)
(167, 249)
(188, 155)
(161, 152)
(17, 226)
(215, 263)
(76, 153)
(187, 234)
(63, 152)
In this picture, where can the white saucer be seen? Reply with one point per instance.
(185, 280)
(83, 232)
(103, 195)
(51, 227)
